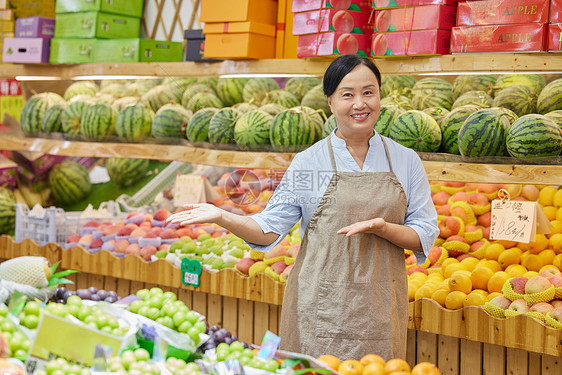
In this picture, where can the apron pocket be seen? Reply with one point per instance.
(352, 310)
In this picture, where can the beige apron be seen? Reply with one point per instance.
(348, 296)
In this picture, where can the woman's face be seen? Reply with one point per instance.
(356, 102)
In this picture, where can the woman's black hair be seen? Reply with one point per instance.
(341, 67)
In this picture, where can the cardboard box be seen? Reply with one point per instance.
(424, 17)
(285, 41)
(72, 51)
(96, 25)
(6, 15)
(341, 21)
(35, 27)
(36, 162)
(499, 38)
(554, 37)
(493, 12)
(4, 4)
(195, 45)
(387, 4)
(333, 44)
(7, 26)
(8, 173)
(239, 40)
(26, 50)
(137, 50)
(261, 11)
(305, 5)
(35, 182)
(555, 11)
(131, 8)
(11, 99)
(411, 43)
(31, 8)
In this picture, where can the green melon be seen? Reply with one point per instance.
(316, 99)
(281, 97)
(437, 113)
(170, 121)
(252, 129)
(180, 83)
(272, 109)
(317, 118)
(550, 98)
(400, 101)
(211, 82)
(69, 182)
(124, 102)
(329, 126)
(134, 122)
(7, 211)
(197, 129)
(256, 89)
(450, 126)
(434, 84)
(158, 96)
(429, 98)
(98, 121)
(51, 121)
(299, 86)
(483, 134)
(34, 109)
(126, 172)
(117, 90)
(140, 87)
(71, 117)
(534, 136)
(521, 99)
(245, 107)
(88, 88)
(203, 100)
(556, 116)
(388, 114)
(473, 82)
(193, 90)
(221, 127)
(416, 130)
(478, 98)
(231, 90)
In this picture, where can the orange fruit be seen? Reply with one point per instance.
(559, 214)
(532, 262)
(546, 195)
(547, 256)
(448, 262)
(330, 361)
(470, 263)
(494, 265)
(556, 226)
(425, 368)
(515, 270)
(454, 300)
(350, 367)
(370, 358)
(530, 274)
(424, 292)
(474, 299)
(557, 261)
(493, 251)
(509, 257)
(460, 281)
(539, 244)
(550, 212)
(495, 284)
(480, 277)
(440, 295)
(557, 198)
(374, 368)
(452, 268)
(396, 365)
(555, 242)
(412, 289)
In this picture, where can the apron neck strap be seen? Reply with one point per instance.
(333, 160)
(387, 154)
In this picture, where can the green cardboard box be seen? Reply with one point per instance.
(137, 50)
(131, 8)
(72, 51)
(96, 25)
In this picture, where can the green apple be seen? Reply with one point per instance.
(203, 237)
(101, 320)
(7, 326)
(223, 346)
(107, 329)
(144, 310)
(169, 309)
(179, 317)
(236, 346)
(167, 322)
(233, 355)
(156, 290)
(270, 365)
(192, 317)
(74, 300)
(249, 353)
(256, 363)
(84, 312)
(222, 355)
(143, 293)
(194, 334)
(244, 361)
(141, 354)
(156, 301)
(30, 321)
(200, 325)
(135, 306)
(237, 253)
(191, 367)
(189, 248)
(31, 308)
(19, 353)
(112, 322)
(74, 310)
(3, 310)
(170, 296)
(184, 327)
(153, 313)
(127, 358)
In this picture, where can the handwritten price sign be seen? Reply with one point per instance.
(517, 221)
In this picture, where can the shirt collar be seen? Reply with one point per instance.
(338, 142)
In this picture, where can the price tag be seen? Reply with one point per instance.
(191, 272)
(269, 346)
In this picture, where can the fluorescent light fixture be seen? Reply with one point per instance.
(262, 75)
(102, 77)
(37, 78)
(481, 72)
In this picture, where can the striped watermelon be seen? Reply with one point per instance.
(126, 172)
(35, 108)
(7, 211)
(203, 100)
(472, 82)
(108, 82)
(317, 118)
(252, 129)
(429, 98)
(158, 96)
(197, 129)
(329, 126)
(398, 84)
(550, 98)
(507, 113)
(193, 90)
(479, 98)
(521, 99)
(400, 101)
(122, 103)
(140, 87)
(117, 90)
(88, 88)
(70, 182)
(316, 99)
(101, 98)
(170, 121)
(556, 116)
(450, 126)
(299, 86)
(212, 82)
(245, 107)
(221, 127)
(388, 114)
(71, 117)
(416, 130)
(51, 121)
(483, 134)
(437, 113)
(291, 130)
(535, 82)
(534, 136)
(281, 97)
(272, 108)
(98, 121)
(256, 89)
(231, 90)
(434, 84)
(180, 83)
(134, 122)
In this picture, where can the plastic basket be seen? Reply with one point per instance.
(162, 181)
(56, 225)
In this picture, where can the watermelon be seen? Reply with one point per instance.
(116, 90)
(126, 172)
(35, 108)
(70, 182)
(400, 101)
(521, 99)
(203, 100)
(211, 82)
(450, 126)
(479, 98)
(437, 113)
(416, 130)
(252, 129)
(71, 117)
(245, 107)
(281, 97)
(299, 86)
(179, 83)
(508, 114)
(550, 98)
(316, 99)
(134, 122)
(158, 96)
(256, 89)
(434, 84)
(535, 82)
(273, 109)
(170, 121)
(197, 129)
(556, 116)
(98, 121)
(483, 134)
(124, 102)
(193, 90)
(473, 82)
(397, 84)
(317, 118)
(108, 82)
(140, 87)
(221, 127)
(386, 117)
(534, 136)
(429, 98)
(231, 90)
(101, 98)
(291, 129)
(7, 211)
(329, 126)
(51, 121)
(88, 88)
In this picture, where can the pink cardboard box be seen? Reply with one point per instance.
(341, 21)
(35, 27)
(387, 4)
(304, 5)
(554, 37)
(523, 37)
(8, 172)
(425, 17)
(26, 50)
(36, 162)
(493, 12)
(333, 44)
(555, 10)
(420, 42)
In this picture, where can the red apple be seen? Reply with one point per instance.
(459, 196)
(518, 284)
(147, 252)
(550, 271)
(434, 254)
(449, 226)
(73, 238)
(530, 192)
(444, 210)
(278, 267)
(244, 264)
(519, 305)
(417, 269)
(556, 314)
(542, 307)
(485, 219)
(556, 280)
(537, 284)
(441, 198)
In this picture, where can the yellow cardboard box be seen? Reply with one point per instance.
(4, 4)
(286, 42)
(262, 11)
(7, 26)
(239, 40)
(6, 15)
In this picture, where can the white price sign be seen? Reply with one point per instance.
(518, 221)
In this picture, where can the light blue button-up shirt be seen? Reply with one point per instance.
(307, 178)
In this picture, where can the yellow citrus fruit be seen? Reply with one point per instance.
(509, 257)
(550, 212)
(396, 365)
(446, 263)
(555, 242)
(474, 299)
(425, 368)
(493, 295)
(559, 214)
(350, 367)
(470, 262)
(452, 268)
(412, 289)
(532, 262)
(557, 261)
(515, 270)
(460, 281)
(556, 226)
(523, 246)
(370, 358)
(330, 361)
(546, 195)
(539, 244)
(374, 368)
(480, 291)
(454, 300)
(495, 284)
(557, 198)
(440, 295)
(493, 251)
(530, 274)
(494, 265)
(424, 292)
(547, 256)
(480, 277)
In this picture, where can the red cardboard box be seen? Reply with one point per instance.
(387, 4)
(340, 21)
(499, 38)
(420, 42)
(357, 5)
(425, 17)
(492, 12)
(554, 37)
(555, 10)
(333, 44)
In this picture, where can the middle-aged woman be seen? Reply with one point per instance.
(363, 199)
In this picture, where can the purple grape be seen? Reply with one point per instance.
(234, 338)
(59, 293)
(109, 299)
(84, 293)
(102, 294)
(112, 293)
(220, 335)
(95, 297)
(246, 346)
(228, 340)
(214, 328)
(67, 294)
(60, 300)
(93, 289)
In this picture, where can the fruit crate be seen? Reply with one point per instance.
(162, 181)
(55, 225)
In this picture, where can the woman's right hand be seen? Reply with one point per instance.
(196, 214)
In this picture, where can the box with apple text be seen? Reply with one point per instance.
(340, 21)
(499, 38)
(425, 17)
(387, 4)
(555, 10)
(419, 42)
(333, 44)
(357, 5)
(554, 37)
(492, 12)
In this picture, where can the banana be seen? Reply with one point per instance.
(30, 196)
(19, 196)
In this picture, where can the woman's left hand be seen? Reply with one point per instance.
(374, 226)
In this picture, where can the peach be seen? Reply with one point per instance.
(277, 251)
(278, 267)
(417, 269)
(501, 302)
(185, 232)
(132, 226)
(125, 231)
(293, 250)
(156, 231)
(110, 230)
(138, 233)
(411, 259)
(444, 210)
(434, 254)
(380, 45)
(147, 217)
(478, 199)
(133, 248)
(169, 233)
(464, 256)
(73, 238)
(514, 190)
(556, 303)
(161, 214)
(347, 44)
(342, 22)
(519, 305)
(340, 4)
(147, 252)
(550, 271)
(556, 280)
(458, 196)
(537, 284)
(471, 187)
(244, 265)
(476, 246)
(530, 192)
(441, 198)
(459, 211)
(542, 307)
(86, 239)
(136, 219)
(518, 284)
(164, 246)
(96, 243)
(556, 314)
(485, 219)
(382, 21)
(91, 223)
(449, 226)
(486, 233)
(381, 3)
(286, 272)
(121, 246)
(488, 188)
